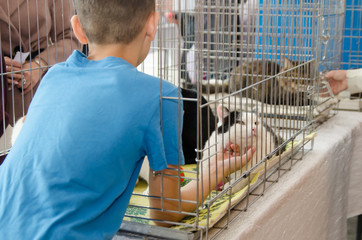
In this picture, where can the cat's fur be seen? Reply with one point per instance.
(189, 132)
(16, 129)
(245, 130)
(290, 87)
(253, 72)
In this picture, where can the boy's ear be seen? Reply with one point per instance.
(151, 25)
(78, 30)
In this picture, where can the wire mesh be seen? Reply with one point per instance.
(249, 73)
(35, 34)
(256, 69)
(352, 50)
(352, 46)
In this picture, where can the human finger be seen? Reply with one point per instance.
(247, 157)
(228, 150)
(325, 89)
(12, 82)
(249, 154)
(329, 74)
(234, 149)
(26, 87)
(32, 78)
(15, 76)
(238, 162)
(11, 62)
(12, 70)
(336, 75)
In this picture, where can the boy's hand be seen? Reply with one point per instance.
(231, 150)
(230, 159)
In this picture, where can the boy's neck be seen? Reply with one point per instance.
(129, 52)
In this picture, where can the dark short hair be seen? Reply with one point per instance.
(113, 21)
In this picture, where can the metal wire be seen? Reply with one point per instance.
(42, 29)
(298, 31)
(276, 51)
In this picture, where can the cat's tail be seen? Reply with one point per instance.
(278, 141)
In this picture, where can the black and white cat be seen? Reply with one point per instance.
(247, 131)
(189, 132)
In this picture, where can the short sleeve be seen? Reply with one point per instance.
(155, 148)
(163, 144)
(172, 122)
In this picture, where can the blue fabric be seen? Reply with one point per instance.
(72, 170)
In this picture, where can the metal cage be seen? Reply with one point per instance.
(352, 51)
(35, 34)
(244, 63)
(215, 38)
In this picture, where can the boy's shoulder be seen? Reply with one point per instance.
(167, 87)
(78, 62)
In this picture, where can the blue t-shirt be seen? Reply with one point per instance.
(73, 167)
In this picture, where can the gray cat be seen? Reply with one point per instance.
(272, 84)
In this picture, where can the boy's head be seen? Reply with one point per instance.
(113, 21)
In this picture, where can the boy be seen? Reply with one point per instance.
(72, 169)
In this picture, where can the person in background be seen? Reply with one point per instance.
(42, 28)
(341, 80)
(4, 116)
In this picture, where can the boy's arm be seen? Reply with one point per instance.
(220, 165)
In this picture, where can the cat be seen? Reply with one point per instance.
(250, 73)
(242, 76)
(190, 141)
(244, 129)
(287, 85)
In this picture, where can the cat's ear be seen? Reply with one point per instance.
(287, 63)
(222, 112)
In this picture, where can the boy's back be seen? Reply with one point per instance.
(72, 169)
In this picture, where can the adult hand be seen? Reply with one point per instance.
(337, 80)
(22, 76)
